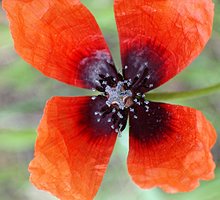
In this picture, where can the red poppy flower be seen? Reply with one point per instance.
(169, 144)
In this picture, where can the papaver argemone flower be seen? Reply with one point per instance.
(169, 145)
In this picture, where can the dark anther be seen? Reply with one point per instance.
(101, 89)
(111, 64)
(142, 79)
(134, 81)
(114, 118)
(102, 76)
(120, 77)
(107, 80)
(105, 110)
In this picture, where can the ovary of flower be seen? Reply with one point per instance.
(118, 95)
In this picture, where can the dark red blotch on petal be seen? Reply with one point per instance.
(146, 63)
(98, 115)
(93, 70)
(151, 123)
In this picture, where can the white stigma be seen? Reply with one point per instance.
(117, 95)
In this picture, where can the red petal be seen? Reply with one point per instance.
(164, 35)
(72, 148)
(61, 39)
(170, 147)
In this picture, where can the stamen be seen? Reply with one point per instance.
(120, 115)
(132, 109)
(129, 83)
(151, 85)
(147, 108)
(146, 102)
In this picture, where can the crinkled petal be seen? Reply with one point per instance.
(160, 38)
(170, 147)
(61, 39)
(72, 149)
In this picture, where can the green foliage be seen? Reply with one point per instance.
(16, 140)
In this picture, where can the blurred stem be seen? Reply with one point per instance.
(184, 95)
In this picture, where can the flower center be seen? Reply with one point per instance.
(119, 96)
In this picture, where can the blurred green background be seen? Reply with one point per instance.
(24, 91)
